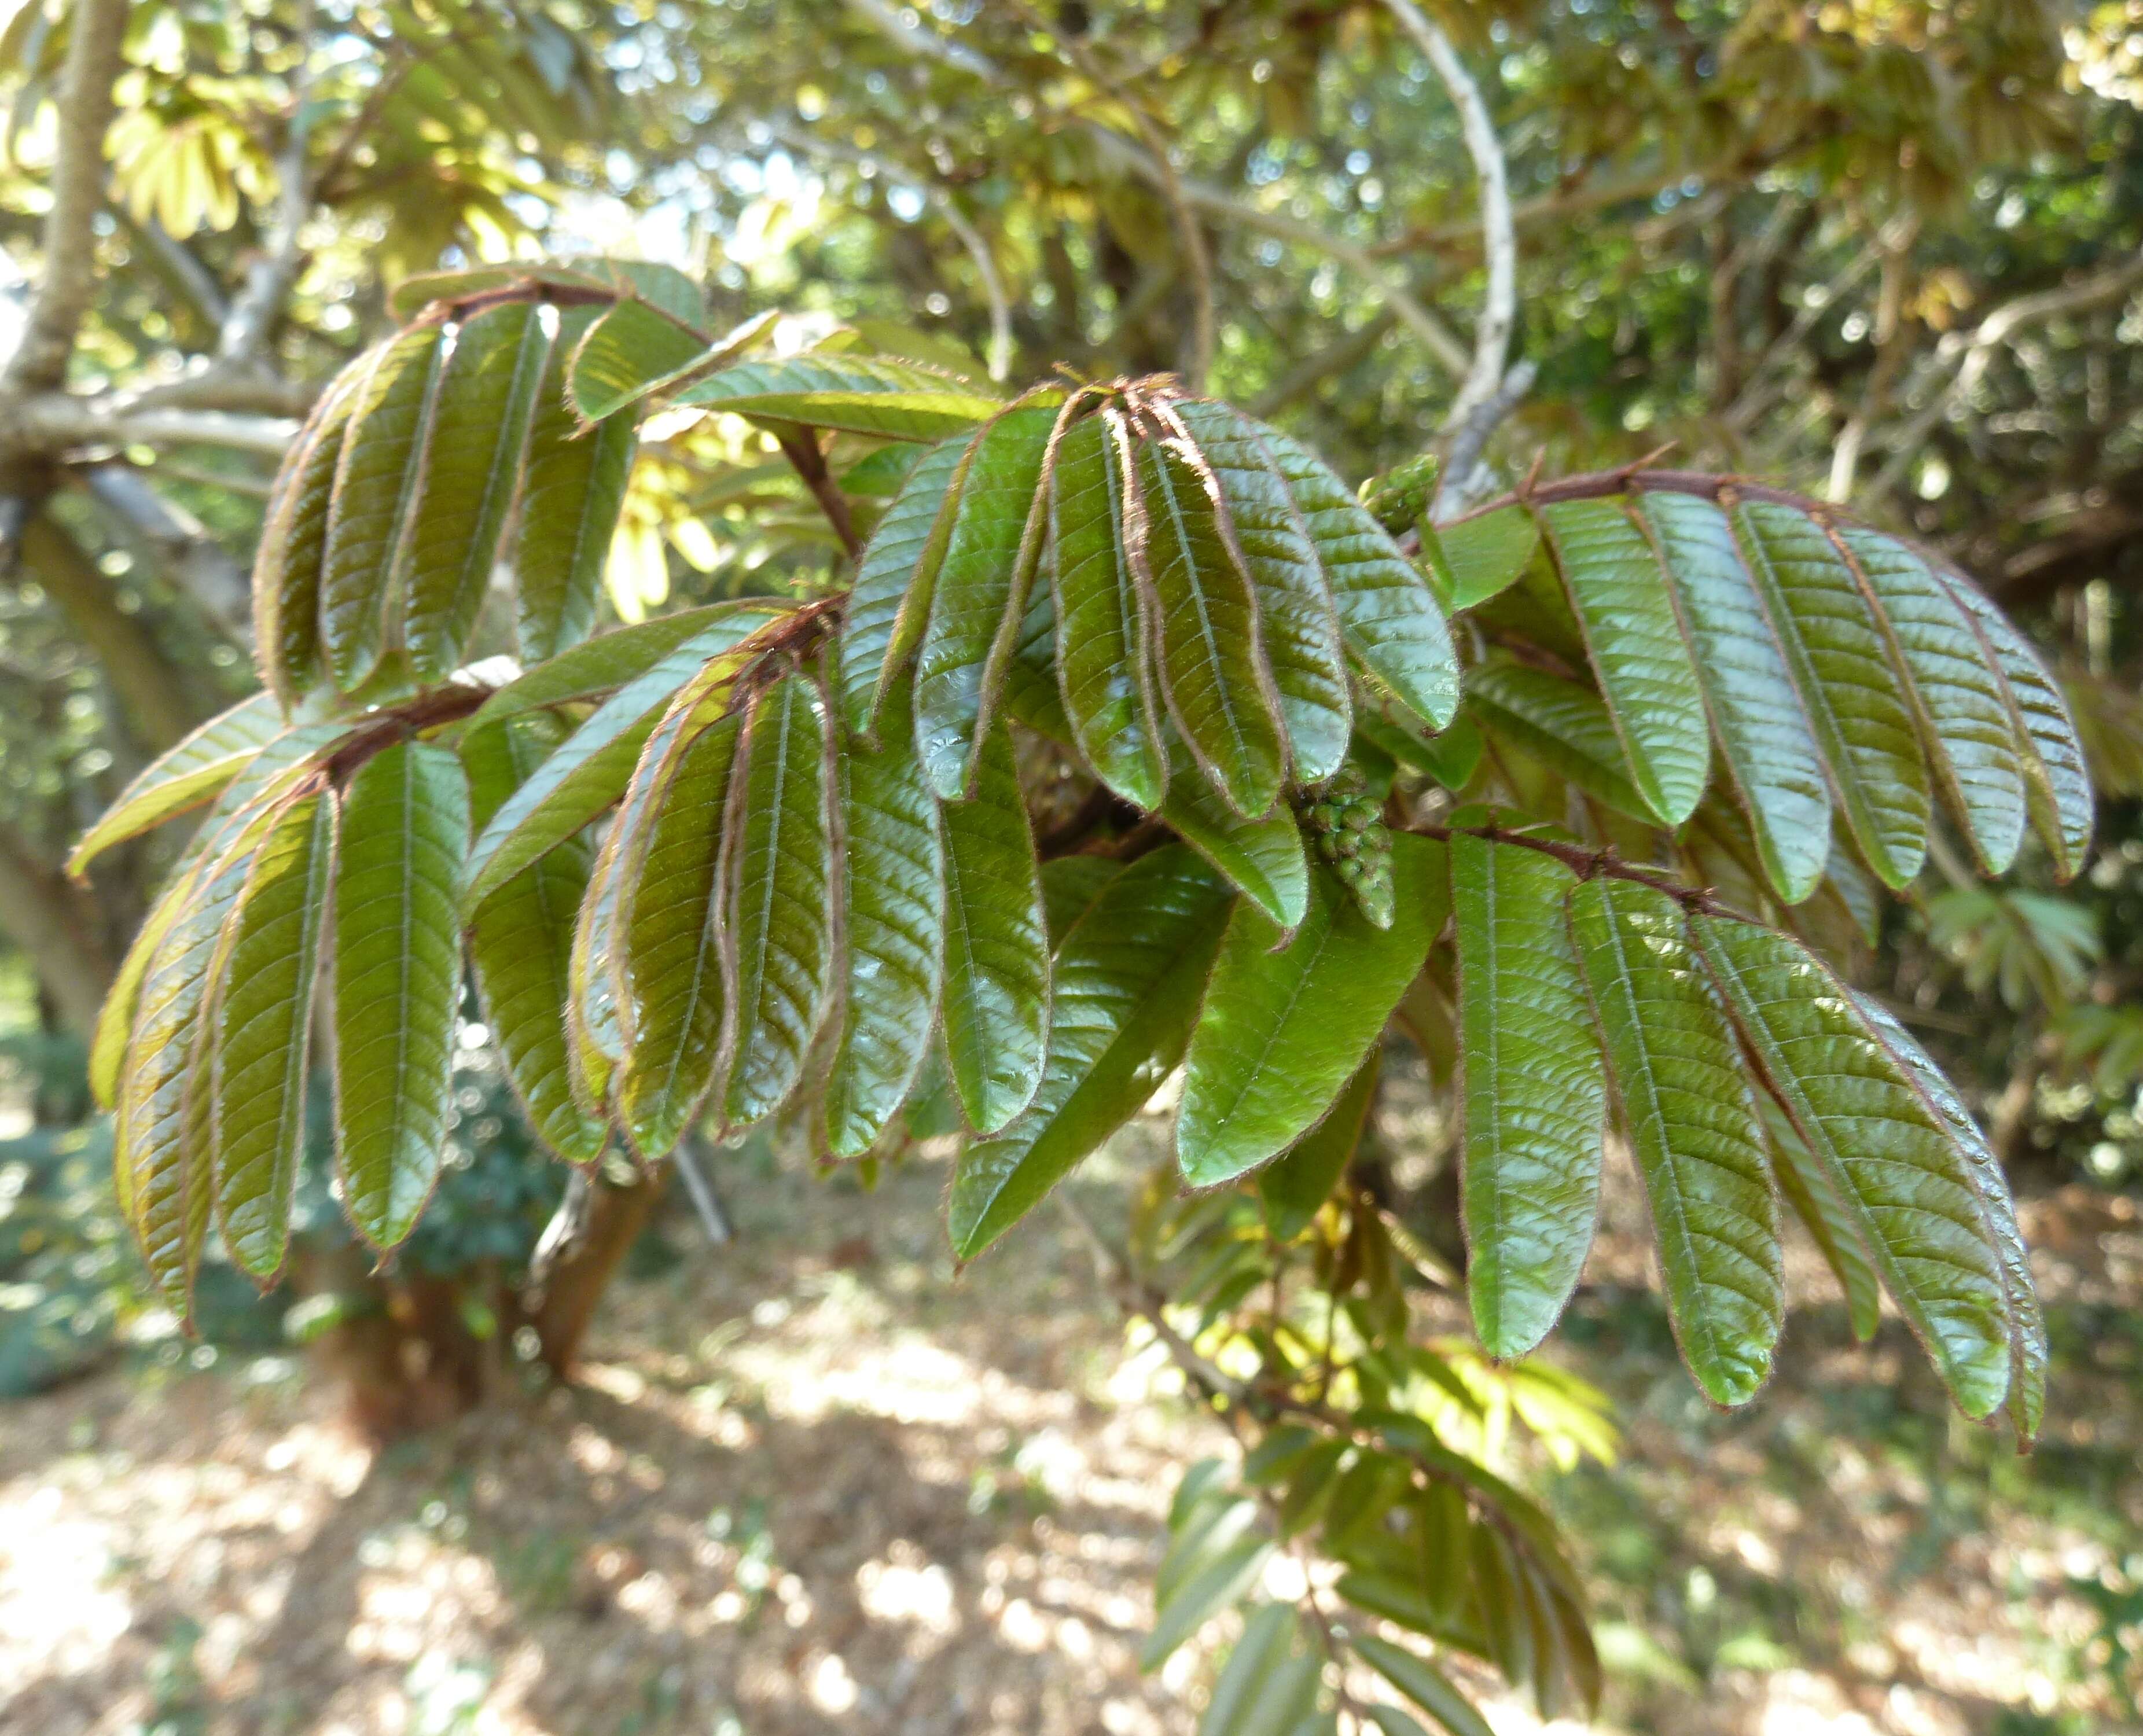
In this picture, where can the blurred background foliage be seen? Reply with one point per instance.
(1887, 251)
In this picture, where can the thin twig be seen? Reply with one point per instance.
(801, 448)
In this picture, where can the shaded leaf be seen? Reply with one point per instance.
(1264, 858)
(896, 576)
(1480, 556)
(288, 564)
(1293, 1188)
(1808, 1188)
(1563, 725)
(596, 668)
(1423, 1683)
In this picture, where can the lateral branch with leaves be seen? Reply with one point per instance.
(780, 855)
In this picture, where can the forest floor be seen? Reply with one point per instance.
(812, 1482)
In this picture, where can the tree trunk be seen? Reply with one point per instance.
(615, 1217)
(56, 925)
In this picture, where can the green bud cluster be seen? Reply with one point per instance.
(1347, 827)
(1398, 499)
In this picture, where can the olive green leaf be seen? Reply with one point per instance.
(997, 944)
(1956, 691)
(1213, 670)
(892, 878)
(193, 771)
(1561, 723)
(595, 1034)
(262, 1052)
(1480, 556)
(1070, 884)
(1126, 985)
(895, 577)
(1762, 731)
(1388, 617)
(979, 592)
(1103, 660)
(379, 474)
(1685, 1102)
(398, 981)
(1534, 1091)
(1264, 857)
(287, 566)
(521, 941)
(575, 485)
(1883, 1146)
(1807, 1187)
(856, 394)
(487, 399)
(644, 345)
(1270, 542)
(781, 895)
(677, 967)
(2058, 782)
(1620, 596)
(2027, 1325)
(1285, 1028)
(1423, 1683)
(1269, 1686)
(1848, 683)
(1293, 1187)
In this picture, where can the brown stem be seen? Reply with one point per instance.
(801, 448)
(1586, 864)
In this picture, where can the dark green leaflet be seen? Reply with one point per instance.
(1213, 668)
(1883, 1146)
(521, 944)
(1264, 857)
(1481, 555)
(263, 1051)
(892, 878)
(995, 1005)
(981, 581)
(782, 895)
(1126, 990)
(1319, 1001)
(1620, 596)
(1535, 1091)
(1299, 630)
(677, 970)
(1388, 617)
(1955, 692)
(287, 569)
(2058, 781)
(1559, 723)
(1691, 1120)
(378, 475)
(1292, 1188)
(1807, 1187)
(890, 600)
(569, 506)
(1104, 662)
(1762, 731)
(479, 435)
(1848, 683)
(397, 980)
(1070, 884)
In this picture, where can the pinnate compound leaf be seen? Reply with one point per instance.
(1686, 1104)
(1103, 660)
(520, 942)
(856, 394)
(996, 945)
(379, 474)
(1283, 1031)
(2027, 1325)
(979, 593)
(194, 770)
(1388, 617)
(896, 576)
(1894, 1163)
(1534, 1094)
(1956, 691)
(1264, 858)
(1126, 984)
(575, 487)
(678, 969)
(1213, 668)
(893, 881)
(1620, 596)
(2057, 780)
(1296, 620)
(1762, 731)
(397, 980)
(1293, 1188)
(1848, 683)
(782, 895)
(287, 566)
(1423, 1683)
(479, 436)
(263, 1045)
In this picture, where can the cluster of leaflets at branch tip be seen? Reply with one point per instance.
(775, 855)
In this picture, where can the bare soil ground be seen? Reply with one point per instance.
(812, 1482)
